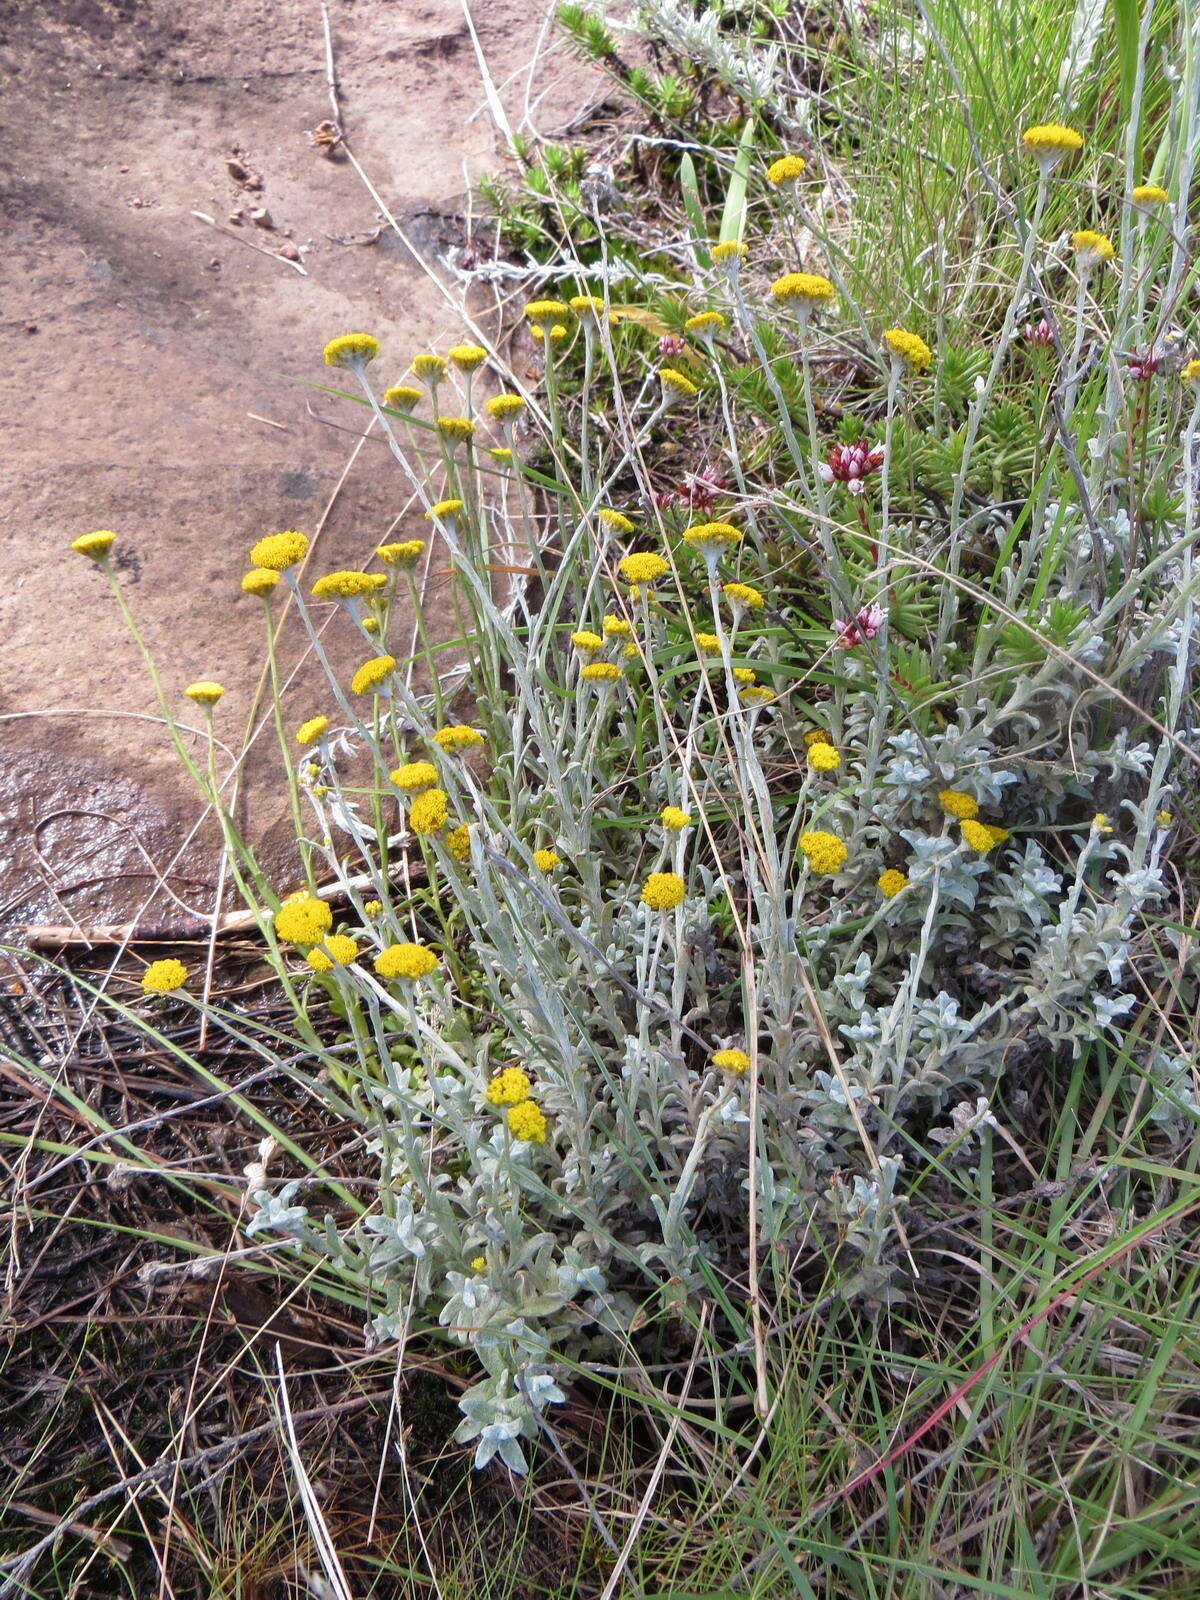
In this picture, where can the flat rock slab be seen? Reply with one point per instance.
(156, 374)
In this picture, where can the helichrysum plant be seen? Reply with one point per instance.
(803, 793)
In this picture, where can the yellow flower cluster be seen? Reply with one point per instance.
(823, 757)
(401, 397)
(735, 1061)
(711, 536)
(616, 627)
(729, 250)
(1090, 247)
(403, 554)
(587, 642)
(546, 860)
(466, 357)
(642, 567)
(957, 804)
(457, 737)
(204, 693)
(546, 310)
(458, 842)
(674, 819)
(410, 961)
(504, 406)
(351, 350)
(164, 977)
(528, 1122)
(891, 883)
(259, 581)
(663, 891)
(706, 323)
(614, 521)
(94, 545)
(806, 288)
(279, 551)
(455, 427)
(1050, 141)
(743, 594)
(347, 585)
(909, 349)
(372, 673)
(600, 672)
(444, 508)
(1191, 372)
(429, 811)
(414, 776)
(824, 852)
(312, 730)
(303, 919)
(674, 383)
(431, 368)
(509, 1087)
(1149, 194)
(982, 836)
(786, 170)
(338, 950)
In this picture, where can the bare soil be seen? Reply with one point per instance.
(156, 370)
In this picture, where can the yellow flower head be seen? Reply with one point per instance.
(1165, 819)
(428, 811)
(414, 776)
(372, 673)
(1091, 248)
(786, 170)
(546, 310)
(501, 453)
(957, 804)
(205, 693)
(735, 1061)
(404, 554)
(824, 852)
(557, 333)
(1050, 142)
(546, 860)
(410, 961)
(351, 350)
(644, 567)
(1191, 372)
(708, 644)
(600, 672)
(674, 383)
(312, 730)
(457, 737)
(94, 545)
(616, 627)
(982, 836)
(511, 1087)
(817, 736)
(372, 908)
(909, 349)
(1100, 823)
(706, 323)
(456, 427)
(430, 368)
(805, 288)
(756, 695)
(279, 551)
(744, 675)
(710, 538)
(823, 758)
(613, 520)
(304, 920)
(338, 950)
(370, 625)
(444, 508)
(1149, 194)
(504, 406)
(743, 594)
(663, 891)
(466, 357)
(478, 1264)
(164, 977)
(527, 1122)
(458, 842)
(347, 585)
(401, 397)
(891, 883)
(731, 250)
(586, 642)
(259, 581)
(674, 819)
(582, 304)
